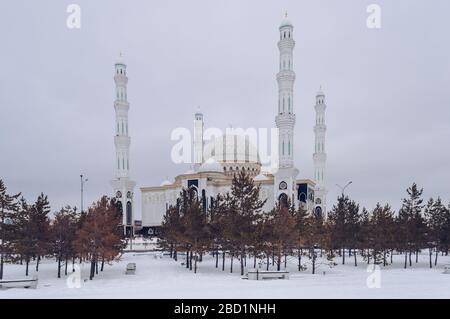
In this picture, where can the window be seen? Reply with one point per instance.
(289, 148)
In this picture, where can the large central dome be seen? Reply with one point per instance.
(235, 153)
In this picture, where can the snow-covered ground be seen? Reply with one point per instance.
(164, 278)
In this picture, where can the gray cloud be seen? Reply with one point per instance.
(387, 90)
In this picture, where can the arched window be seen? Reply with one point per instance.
(129, 214)
(283, 200)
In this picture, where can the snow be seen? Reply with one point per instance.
(159, 276)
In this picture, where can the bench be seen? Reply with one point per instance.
(20, 283)
(267, 274)
(447, 269)
(131, 269)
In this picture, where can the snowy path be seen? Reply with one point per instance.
(165, 278)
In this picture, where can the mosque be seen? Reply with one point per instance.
(217, 160)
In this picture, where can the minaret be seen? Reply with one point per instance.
(122, 185)
(320, 155)
(285, 119)
(198, 139)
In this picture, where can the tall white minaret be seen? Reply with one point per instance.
(285, 119)
(198, 139)
(320, 155)
(122, 185)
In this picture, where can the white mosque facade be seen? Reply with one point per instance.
(216, 161)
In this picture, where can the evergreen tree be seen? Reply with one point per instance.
(244, 209)
(100, 237)
(8, 206)
(438, 221)
(284, 233)
(63, 231)
(382, 229)
(410, 222)
(41, 227)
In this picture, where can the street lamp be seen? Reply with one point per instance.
(343, 188)
(82, 186)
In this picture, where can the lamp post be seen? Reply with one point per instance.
(82, 186)
(343, 188)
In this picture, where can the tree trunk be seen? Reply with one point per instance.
(175, 255)
(392, 254)
(59, 267)
(65, 270)
(187, 259)
(1, 264)
(195, 264)
(313, 262)
(279, 260)
(217, 258)
(27, 261)
(436, 257)
(299, 259)
(96, 267)
(37, 263)
(343, 256)
(223, 260)
(267, 264)
(410, 261)
(242, 263)
(171, 250)
(103, 264)
(92, 271)
(431, 256)
(355, 257)
(190, 261)
(254, 261)
(231, 264)
(285, 261)
(406, 259)
(417, 256)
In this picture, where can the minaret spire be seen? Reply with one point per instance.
(285, 181)
(320, 155)
(198, 139)
(122, 185)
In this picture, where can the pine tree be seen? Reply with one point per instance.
(63, 232)
(243, 211)
(284, 233)
(438, 222)
(8, 206)
(100, 237)
(382, 228)
(411, 223)
(25, 241)
(301, 220)
(41, 222)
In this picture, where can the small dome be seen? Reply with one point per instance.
(286, 22)
(120, 59)
(166, 183)
(211, 165)
(260, 177)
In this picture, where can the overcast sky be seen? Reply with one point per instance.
(387, 89)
